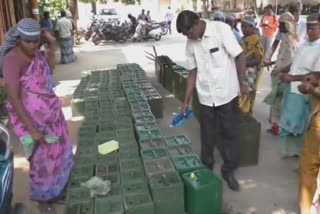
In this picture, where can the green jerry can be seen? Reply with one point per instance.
(203, 192)
(250, 130)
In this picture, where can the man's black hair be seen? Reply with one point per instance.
(269, 6)
(186, 20)
(295, 6)
(63, 13)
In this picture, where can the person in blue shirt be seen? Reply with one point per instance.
(46, 23)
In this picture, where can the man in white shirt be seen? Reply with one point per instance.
(295, 8)
(64, 28)
(216, 67)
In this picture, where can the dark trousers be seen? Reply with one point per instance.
(219, 127)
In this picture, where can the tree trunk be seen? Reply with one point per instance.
(73, 5)
(34, 9)
(94, 7)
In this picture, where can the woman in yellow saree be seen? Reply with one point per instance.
(251, 45)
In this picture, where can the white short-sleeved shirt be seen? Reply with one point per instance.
(301, 30)
(214, 58)
(64, 26)
(307, 60)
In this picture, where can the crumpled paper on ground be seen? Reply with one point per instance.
(97, 186)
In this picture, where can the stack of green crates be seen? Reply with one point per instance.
(145, 173)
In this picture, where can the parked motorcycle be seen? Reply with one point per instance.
(111, 32)
(92, 27)
(162, 25)
(145, 31)
(131, 30)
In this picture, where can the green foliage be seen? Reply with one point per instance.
(53, 7)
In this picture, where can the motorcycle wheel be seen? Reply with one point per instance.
(131, 34)
(96, 40)
(157, 37)
(164, 29)
(87, 36)
(122, 40)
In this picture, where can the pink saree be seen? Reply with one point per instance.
(50, 164)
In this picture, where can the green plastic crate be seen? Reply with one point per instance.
(154, 154)
(203, 192)
(132, 175)
(137, 186)
(103, 169)
(86, 150)
(85, 160)
(143, 107)
(158, 166)
(124, 142)
(144, 119)
(76, 181)
(77, 106)
(182, 150)
(126, 165)
(107, 205)
(85, 207)
(176, 140)
(78, 195)
(114, 193)
(136, 99)
(114, 178)
(149, 134)
(146, 126)
(131, 155)
(82, 170)
(167, 192)
(123, 122)
(127, 147)
(185, 164)
(87, 131)
(151, 144)
(156, 105)
(125, 133)
(138, 204)
(105, 136)
(106, 126)
(111, 157)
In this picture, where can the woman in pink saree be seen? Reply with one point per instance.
(35, 110)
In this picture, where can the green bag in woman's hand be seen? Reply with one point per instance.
(28, 143)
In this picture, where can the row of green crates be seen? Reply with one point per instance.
(168, 159)
(145, 179)
(174, 78)
(107, 117)
(134, 77)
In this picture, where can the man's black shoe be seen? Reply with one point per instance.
(232, 182)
